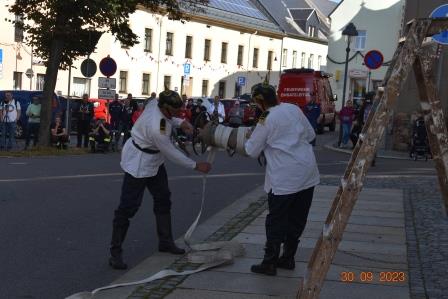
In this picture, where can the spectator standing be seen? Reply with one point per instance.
(85, 116)
(346, 116)
(33, 113)
(196, 111)
(312, 112)
(115, 112)
(138, 112)
(133, 102)
(58, 132)
(216, 110)
(9, 114)
(151, 98)
(126, 120)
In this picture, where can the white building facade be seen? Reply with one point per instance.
(379, 25)
(218, 54)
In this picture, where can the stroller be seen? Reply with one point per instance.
(419, 143)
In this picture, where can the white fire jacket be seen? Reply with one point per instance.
(284, 136)
(148, 133)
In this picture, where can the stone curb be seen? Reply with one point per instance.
(222, 226)
(347, 151)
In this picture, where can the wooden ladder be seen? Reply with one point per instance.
(415, 52)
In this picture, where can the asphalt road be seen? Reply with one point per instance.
(56, 214)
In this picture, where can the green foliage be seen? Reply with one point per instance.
(79, 24)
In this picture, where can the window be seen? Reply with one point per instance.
(224, 52)
(204, 88)
(270, 54)
(312, 31)
(222, 89)
(284, 58)
(18, 31)
(319, 62)
(17, 78)
(40, 80)
(188, 46)
(360, 40)
(358, 87)
(167, 82)
(123, 81)
(148, 40)
(169, 44)
(239, 60)
(145, 83)
(294, 59)
(80, 86)
(311, 61)
(207, 45)
(255, 60)
(302, 62)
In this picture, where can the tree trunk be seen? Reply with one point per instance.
(51, 76)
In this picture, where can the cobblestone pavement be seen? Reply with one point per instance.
(426, 233)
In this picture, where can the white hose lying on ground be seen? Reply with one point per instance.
(209, 254)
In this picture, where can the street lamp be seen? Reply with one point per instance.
(349, 32)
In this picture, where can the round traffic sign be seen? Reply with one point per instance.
(440, 12)
(88, 68)
(108, 66)
(373, 59)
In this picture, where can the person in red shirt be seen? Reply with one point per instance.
(346, 116)
(138, 112)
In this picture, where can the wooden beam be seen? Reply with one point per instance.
(361, 158)
(434, 118)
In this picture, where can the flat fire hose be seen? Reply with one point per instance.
(210, 255)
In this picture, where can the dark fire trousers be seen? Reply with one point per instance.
(287, 216)
(132, 194)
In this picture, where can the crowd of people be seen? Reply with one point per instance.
(97, 131)
(111, 129)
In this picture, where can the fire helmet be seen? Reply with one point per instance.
(264, 92)
(170, 98)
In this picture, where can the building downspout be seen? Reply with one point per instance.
(281, 54)
(248, 56)
(158, 55)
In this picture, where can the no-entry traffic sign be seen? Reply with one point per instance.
(441, 12)
(373, 59)
(108, 66)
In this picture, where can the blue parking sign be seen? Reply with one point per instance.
(241, 81)
(187, 68)
(1, 56)
(441, 12)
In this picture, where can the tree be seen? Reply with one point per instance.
(62, 30)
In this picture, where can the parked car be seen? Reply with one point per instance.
(297, 86)
(24, 97)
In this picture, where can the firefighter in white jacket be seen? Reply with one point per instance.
(283, 134)
(142, 160)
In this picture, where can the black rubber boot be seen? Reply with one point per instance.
(287, 261)
(118, 236)
(269, 264)
(166, 242)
